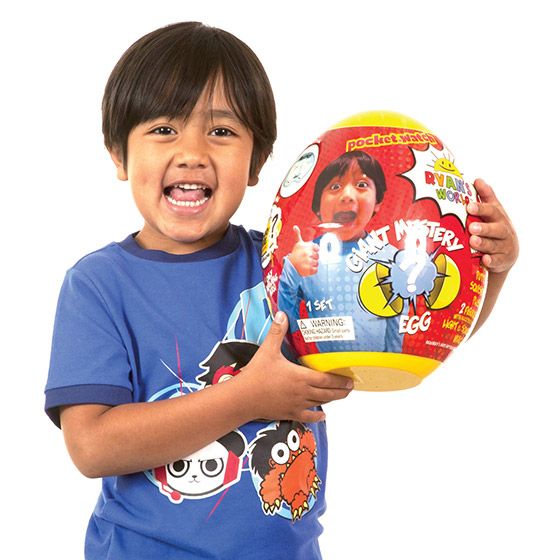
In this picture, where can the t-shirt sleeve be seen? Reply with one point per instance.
(89, 361)
(257, 238)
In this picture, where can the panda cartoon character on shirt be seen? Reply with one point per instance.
(205, 472)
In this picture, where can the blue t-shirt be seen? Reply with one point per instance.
(136, 325)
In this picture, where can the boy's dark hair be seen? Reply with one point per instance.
(164, 73)
(338, 167)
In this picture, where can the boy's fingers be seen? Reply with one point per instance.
(311, 416)
(496, 262)
(498, 255)
(495, 230)
(485, 192)
(276, 333)
(487, 211)
(487, 261)
(484, 244)
(324, 396)
(298, 234)
(324, 380)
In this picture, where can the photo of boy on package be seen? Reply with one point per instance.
(347, 194)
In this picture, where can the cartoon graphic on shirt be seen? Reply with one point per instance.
(225, 361)
(250, 320)
(219, 465)
(283, 465)
(204, 473)
(281, 458)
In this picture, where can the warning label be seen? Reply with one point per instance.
(326, 329)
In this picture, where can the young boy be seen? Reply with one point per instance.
(201, 455)
(208, 447)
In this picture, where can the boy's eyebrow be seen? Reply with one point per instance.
(222, 113)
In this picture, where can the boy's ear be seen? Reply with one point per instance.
(254, 177)
(121, 172)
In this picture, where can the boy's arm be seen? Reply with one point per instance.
(496, 237)
(106, 441)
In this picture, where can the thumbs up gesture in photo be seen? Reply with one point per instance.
(304, 255)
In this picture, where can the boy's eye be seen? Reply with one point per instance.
(163, 131)
(335, 187)
(362, 184)
(222, 131)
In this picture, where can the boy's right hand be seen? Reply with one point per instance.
(304, 255)
(282, 390)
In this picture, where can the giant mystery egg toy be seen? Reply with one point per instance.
(367, 251)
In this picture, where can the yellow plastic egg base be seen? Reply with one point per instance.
(374, 371)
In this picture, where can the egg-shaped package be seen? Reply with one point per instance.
(367, 252)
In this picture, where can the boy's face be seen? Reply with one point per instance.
(350, 201)
(188, 177)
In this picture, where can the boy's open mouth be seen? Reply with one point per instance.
(344, 218)
(187, 195)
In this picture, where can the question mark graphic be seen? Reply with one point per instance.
(415, 253)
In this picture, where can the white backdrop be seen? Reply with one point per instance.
(446, 470)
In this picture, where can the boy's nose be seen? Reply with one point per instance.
(347, 194)
(191, 152)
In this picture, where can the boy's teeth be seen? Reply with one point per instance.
(187, 203)
(188, 187)
(187, 195)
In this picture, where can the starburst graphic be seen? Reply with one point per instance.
(435, 176)
(411, 273)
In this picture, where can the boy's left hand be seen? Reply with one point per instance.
(494, 235)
